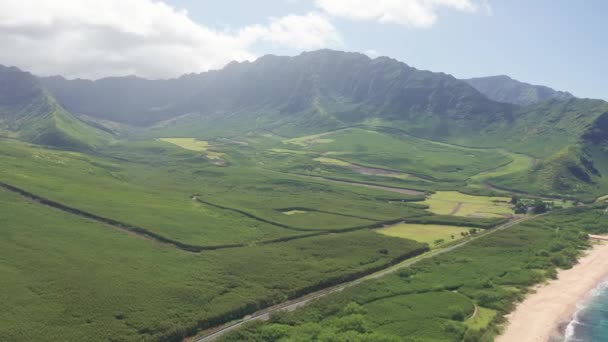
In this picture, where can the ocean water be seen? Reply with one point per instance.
(590, 322)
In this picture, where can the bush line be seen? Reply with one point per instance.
(180, 333)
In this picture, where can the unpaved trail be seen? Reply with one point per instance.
(264, 314)
(456, 208)
(364, 185)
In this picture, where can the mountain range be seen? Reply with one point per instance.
(316, 92)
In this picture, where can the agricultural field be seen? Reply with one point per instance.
(227, 208)
(458, 296)
(431, 234)
(459, 204)
(392, 158)
(119, 286)
(401, 153)
(161, 201)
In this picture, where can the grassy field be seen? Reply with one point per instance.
(426, 233)
(457, 296)
(459, 204)
(193, 144)
(68, 279)
(401, 153)
(158, 198)
(519, 163)
(188, 143)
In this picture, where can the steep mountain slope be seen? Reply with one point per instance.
(29, 112)
(568, 141)
(505, 89)
(312, 92)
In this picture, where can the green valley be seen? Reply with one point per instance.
(411, 205)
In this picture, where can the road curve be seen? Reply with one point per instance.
(291, 305)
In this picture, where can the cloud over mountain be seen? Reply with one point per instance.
(149, 38)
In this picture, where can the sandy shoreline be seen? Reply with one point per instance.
(542, 315)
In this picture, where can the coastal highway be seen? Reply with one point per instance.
(291, 305)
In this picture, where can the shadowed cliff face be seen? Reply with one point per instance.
(598, 132)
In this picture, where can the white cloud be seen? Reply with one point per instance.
(298, 31)
(97, 38)
(410, 13)
(372, 53)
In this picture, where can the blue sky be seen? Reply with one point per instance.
(558, 43)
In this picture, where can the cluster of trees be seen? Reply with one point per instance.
(538, 206)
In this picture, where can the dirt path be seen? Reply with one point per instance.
(456, 208)
(292, 305)
(364, 185)
(474, 312)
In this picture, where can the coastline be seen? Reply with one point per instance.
(545, 312)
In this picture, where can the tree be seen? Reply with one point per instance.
(520, 208)
(514, 199)
(539, 206)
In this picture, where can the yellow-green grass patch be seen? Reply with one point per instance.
(459, 204)
(294, 212)
(310, 139)
(520, 162)
(191, 144)
(481, 319)
(426, 233)
(283, 150)
(332, 161)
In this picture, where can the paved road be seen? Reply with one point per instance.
(292, 305)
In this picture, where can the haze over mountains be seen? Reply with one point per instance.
(505, 89)
(316, 92)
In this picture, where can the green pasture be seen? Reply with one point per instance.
(459, 204)
(426, 233)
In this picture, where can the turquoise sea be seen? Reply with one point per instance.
(590, 322)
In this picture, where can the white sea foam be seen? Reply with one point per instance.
(576, 321)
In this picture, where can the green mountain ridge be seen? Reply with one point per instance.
(330, 89)
(29, 112)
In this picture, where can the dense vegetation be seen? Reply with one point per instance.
(67, 279)
(461, 295)
(136, 210)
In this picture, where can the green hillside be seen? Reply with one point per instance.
(29, 112)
